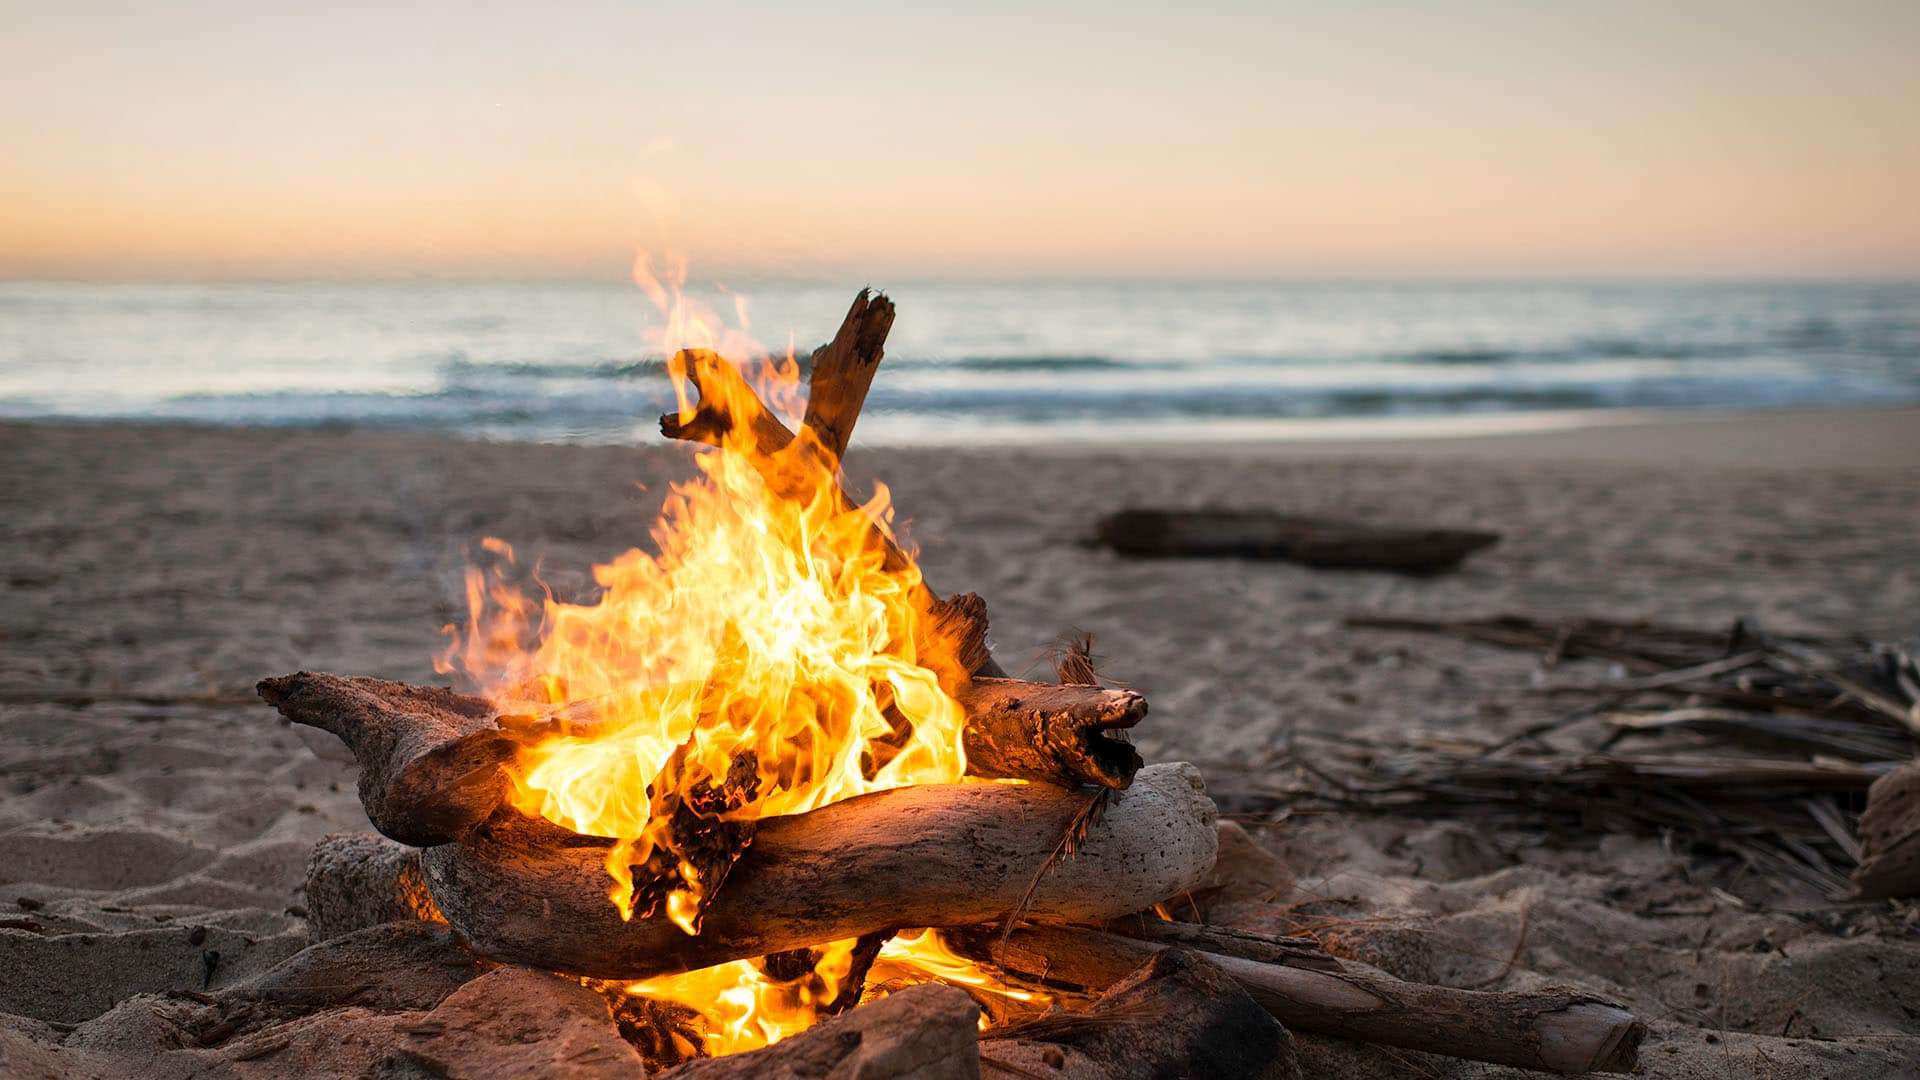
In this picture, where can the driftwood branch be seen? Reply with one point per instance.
(1178, 1015)
(1553, 1030)
(726, 401)
(527, 892)
(432, 762)
(1050, 731)
(430, 759)
(1261, 534)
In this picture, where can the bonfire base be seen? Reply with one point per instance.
(937, 855)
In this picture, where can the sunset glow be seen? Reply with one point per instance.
(221, 140)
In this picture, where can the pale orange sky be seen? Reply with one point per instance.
(1475, 139)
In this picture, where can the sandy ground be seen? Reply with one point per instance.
(147, 849)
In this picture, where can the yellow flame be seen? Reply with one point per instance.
(742, 1008)
(765, 622)
(921, 956)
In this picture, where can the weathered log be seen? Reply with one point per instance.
(1178, 1015)
(432, 761)
(921, 1033)
(1560, 1031)
(357, 880)
(1050, 731)
(528, 892)
(1261, 534)
(1890, 837)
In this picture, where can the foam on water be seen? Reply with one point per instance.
(1045, 362)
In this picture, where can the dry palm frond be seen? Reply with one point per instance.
(1073, 661)
(1075, 835)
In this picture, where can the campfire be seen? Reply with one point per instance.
(770, 775)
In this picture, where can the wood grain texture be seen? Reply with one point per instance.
(430, 759)
(938, 855)
(1561, 1031)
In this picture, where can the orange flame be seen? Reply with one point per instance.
(767, 623)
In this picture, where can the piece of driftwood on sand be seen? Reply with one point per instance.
(1179, 1014)
(1263, 534)
(1553, 1030)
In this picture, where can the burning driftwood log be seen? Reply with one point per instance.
(934, 855)
(1262, 534)
(433, 762)
(1555, 1031)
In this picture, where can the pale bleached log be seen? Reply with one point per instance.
(357, 880)
(1563, 1031)
(938, 855)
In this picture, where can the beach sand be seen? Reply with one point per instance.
(149, 848)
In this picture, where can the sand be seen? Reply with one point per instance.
(148, 849)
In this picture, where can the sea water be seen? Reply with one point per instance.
(1058, 361)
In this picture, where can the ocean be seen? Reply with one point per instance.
(1055, 362)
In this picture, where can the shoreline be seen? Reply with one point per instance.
(1873, 437)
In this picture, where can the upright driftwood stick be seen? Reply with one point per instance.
(1555, 1030)
(528, 892)
(843, 372)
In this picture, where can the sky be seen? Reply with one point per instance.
(1470, 139)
